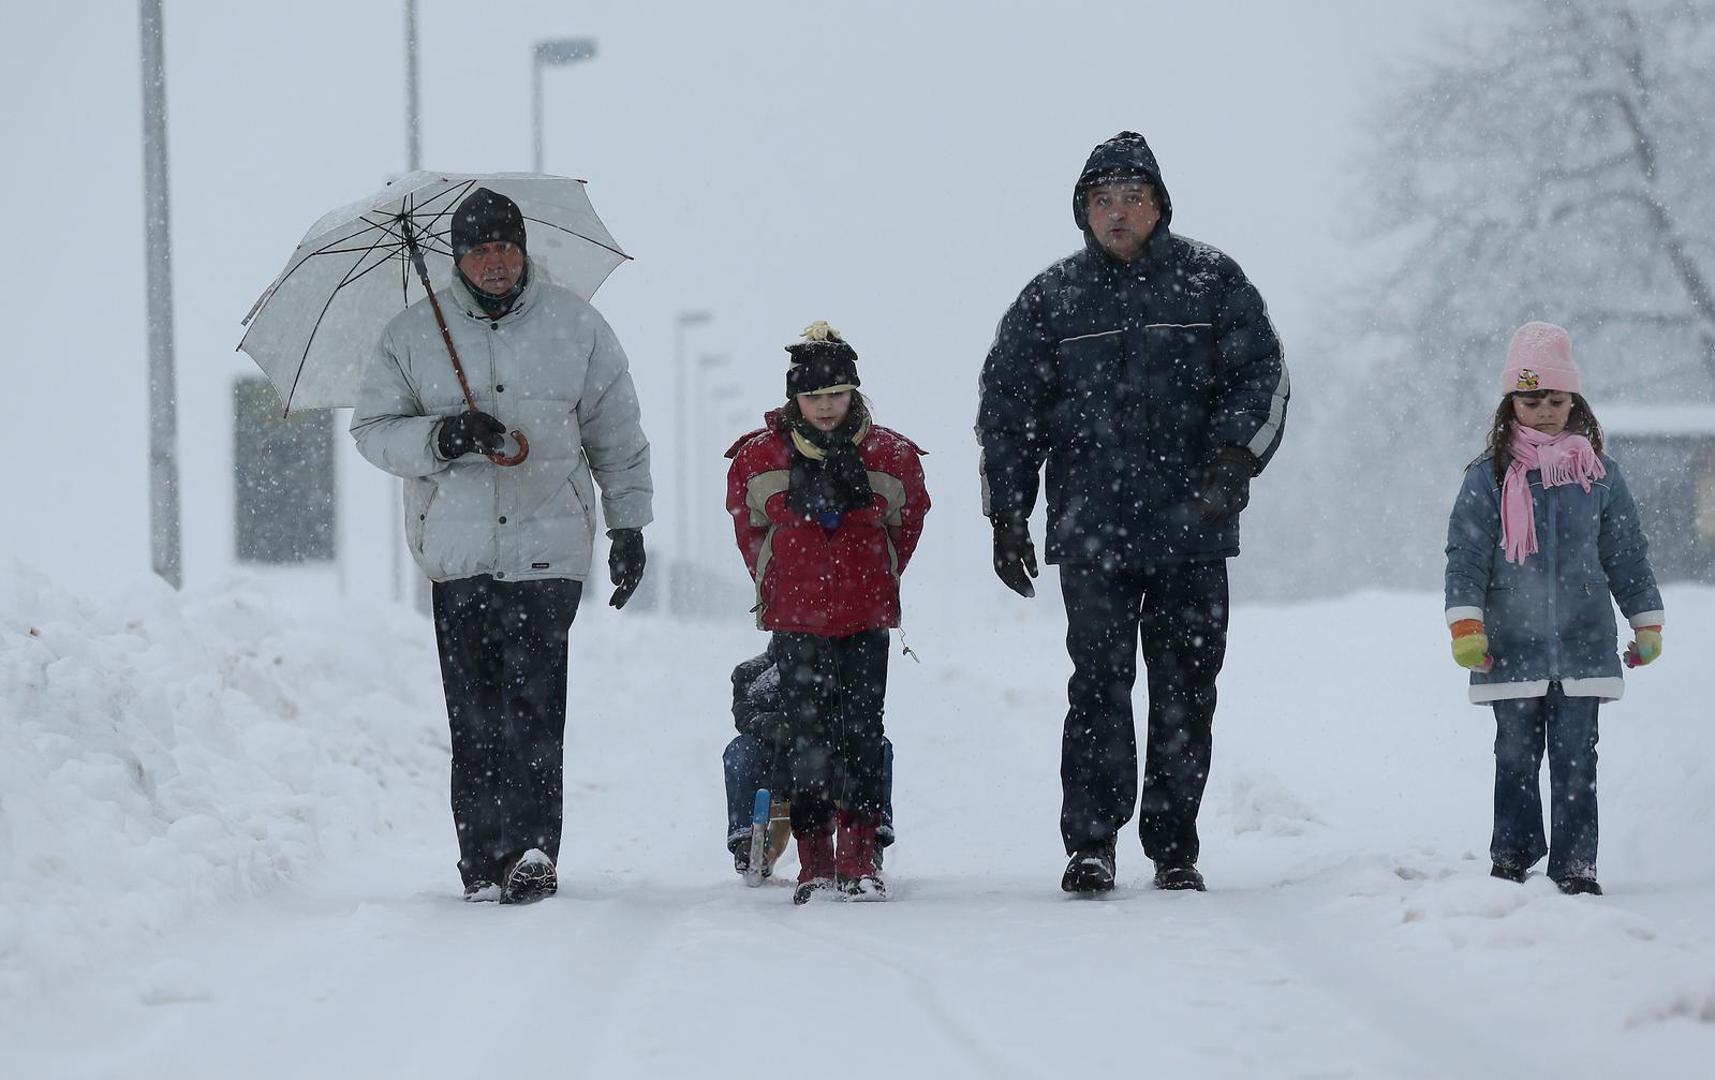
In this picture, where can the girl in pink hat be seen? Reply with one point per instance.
(1543, 532)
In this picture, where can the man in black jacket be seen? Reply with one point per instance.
(1144, 371)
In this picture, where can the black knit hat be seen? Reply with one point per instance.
(821, 363)
(484, 217)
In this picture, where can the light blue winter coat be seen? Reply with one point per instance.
(1549, 618)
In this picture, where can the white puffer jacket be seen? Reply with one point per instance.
(552, 368)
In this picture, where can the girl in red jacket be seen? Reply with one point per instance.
(828, 507)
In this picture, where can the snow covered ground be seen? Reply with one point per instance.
(224, 851)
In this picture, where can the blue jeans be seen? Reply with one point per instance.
(1566, 728)
(750, 764)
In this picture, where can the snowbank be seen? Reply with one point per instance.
(161, 755)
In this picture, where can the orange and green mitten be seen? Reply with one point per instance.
(1646, 648)
(1471, 645)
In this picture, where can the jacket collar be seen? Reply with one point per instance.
(1157, 251)
(472, 308)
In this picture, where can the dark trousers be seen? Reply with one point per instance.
(1179, 613)
(832, 691)
(751, 763)
(503, 667)
(1566, 728)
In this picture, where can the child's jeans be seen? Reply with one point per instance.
(1566, 726)
(751, 763)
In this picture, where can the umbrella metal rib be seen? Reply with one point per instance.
(580, 236)
(391, 228)
(347, 280)
(332, 248)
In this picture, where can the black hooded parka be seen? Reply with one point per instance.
(1125, 377)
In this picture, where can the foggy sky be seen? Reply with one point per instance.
(899, 169)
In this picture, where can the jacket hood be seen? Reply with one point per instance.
(770, 424)
(1124, 155)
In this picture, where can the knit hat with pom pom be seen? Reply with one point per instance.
(822, 363)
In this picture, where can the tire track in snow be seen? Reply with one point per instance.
(952, 1029)
(1439, 1042)
(608, 957)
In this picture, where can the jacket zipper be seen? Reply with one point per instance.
(499, 535)
(1554, 594)
(589, 515)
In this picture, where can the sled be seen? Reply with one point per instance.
(770, 828)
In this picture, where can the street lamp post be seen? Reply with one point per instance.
(700, 424)
(557, 52)
(157, 236)
(680, 598)
(413, 162)
(413, 102)
(733, 420)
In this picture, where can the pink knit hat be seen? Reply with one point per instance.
(1540, 358)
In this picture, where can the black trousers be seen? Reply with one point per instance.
(503, 667)
(1179, 612)
(833, 691)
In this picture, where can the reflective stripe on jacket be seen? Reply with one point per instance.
(1124, 378)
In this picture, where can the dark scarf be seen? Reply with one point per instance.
(496, 306)
(828, 478)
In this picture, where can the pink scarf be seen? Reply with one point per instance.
(1562, 458)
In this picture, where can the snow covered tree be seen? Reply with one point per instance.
(1559, 165)
(1554, 161)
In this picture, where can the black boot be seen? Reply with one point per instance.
(1091, 869)
(1578, 886)
(1508, 873)
(530, 878)
(1176, 877)
(482, 892)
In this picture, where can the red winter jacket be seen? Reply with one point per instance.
(810, 580)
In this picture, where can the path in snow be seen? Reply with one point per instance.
(1351, 929)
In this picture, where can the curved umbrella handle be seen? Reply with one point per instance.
(513, 459)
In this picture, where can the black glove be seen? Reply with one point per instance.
(1014, 555)
(1226, 485)
(468, 433)
(625, 561)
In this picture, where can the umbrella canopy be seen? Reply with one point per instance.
(313, 330)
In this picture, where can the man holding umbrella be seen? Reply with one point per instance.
(1144, 371)
(507, 539)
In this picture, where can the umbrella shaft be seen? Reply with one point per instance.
(435, 303)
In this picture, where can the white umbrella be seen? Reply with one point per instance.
(314, 328)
